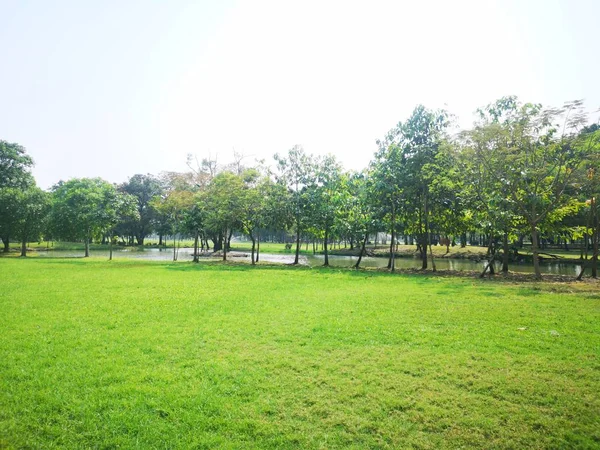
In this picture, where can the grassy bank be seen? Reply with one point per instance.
(137, 354)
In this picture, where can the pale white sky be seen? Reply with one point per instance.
(119, 87)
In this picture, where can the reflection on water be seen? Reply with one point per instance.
(186, 254)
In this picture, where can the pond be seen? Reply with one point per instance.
(185, 254)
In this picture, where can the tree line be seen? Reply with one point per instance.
(521, 171)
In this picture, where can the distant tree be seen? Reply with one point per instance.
(254, 191)
(15, 166)
(403, 172)
(386, 180)
(144, 188)
(173, 208)
(194, 222)
(421, 137)
(32, 205)
(122, 207)
(224, 206)
(325, 192)
(359, 212)
(83, 208)
(9, 214)
(540, 161)
(295, 170)
(589, 184)
(15, 175)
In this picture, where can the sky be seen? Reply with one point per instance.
(118, 87)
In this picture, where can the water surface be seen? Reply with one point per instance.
(186, 254)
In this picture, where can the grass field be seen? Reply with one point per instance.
(135, 354)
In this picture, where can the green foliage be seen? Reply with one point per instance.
(15, 166)
(32, 207)
(144, 188)
(86, 207)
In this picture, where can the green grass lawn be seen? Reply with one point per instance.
(135, 354)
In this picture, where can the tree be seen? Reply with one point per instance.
(83, 208)
(224, 206)
(386, 178)
(358, 212)
(277, 209)
(144, 188)
(256, 193)
(173, 208)
(32, 206)
(121, 207)
(589, 184)
(15, 166)
(420, 138)
(540, 158)
(295, 171)
(403, 172)
(9, 214)
(484, 166)
(325, 194)
(15, 175)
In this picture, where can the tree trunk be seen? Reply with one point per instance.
(196, 259)
(257, 247)
(253, 247)
(393, 239)
(392, 260)
(534, 251)
(6, 242)
(431, 253)
(174, 246)
(87, 247)
(423, 250)
(489, 265)
(140, 239)
(491, 250)
(362, 250)
(297, 257)
(160, 239)
(594, 261)
(229, 239)
(225, 246)
(217, 242)
(24, 247)
(505, 251)
(326, 264)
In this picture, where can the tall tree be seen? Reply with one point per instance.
(589, 183)
(540, 158)
(295, 171)
(325, 194)
(15, 175)
(403, 174)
